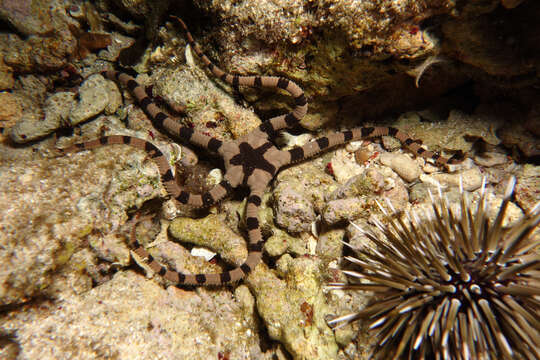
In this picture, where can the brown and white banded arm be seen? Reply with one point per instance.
(252, 160)
(314, 147)
(271, 126)
(208, 198)
(159, 119)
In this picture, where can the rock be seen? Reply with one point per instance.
(394, 189)
(307, 179)
(30, 126)
(518, 135)
(56, 111)
(370, 182)
(390, 143)
(118, 43)
(37, 53)
(131, 317)
(490, 159)
(472, 179)
(347, 302)
(293, 309)
(510, 4)
(94, 98)
(299, 245)
(44, 25)
(29, 17)
(491, 48)
(10, 110)
(210, 107)
(528, 183)
(10, 349)
(114, 98)
(451, 134)
(339, 211)
(33, 86)
(6, 79)
(278, 243)
(288, 141)
(293, 211)
(420, 192)
(532, 123)
(325, 64)
(304, 244)
(31, 256)
(330, 245)
(513, 213)
(70, 192)
(176, 257)
(357, 238)
(58, 106)
(403, 165)
(111, 248)
(211, 232)
(344, 165)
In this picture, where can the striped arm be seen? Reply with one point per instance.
(256, 242)
(167, 179)
(274, 124)
(206, 199)
(159, 119)
(254, 256)
(315, 146)
(147, 146)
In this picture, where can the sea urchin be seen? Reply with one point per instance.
(451, 285)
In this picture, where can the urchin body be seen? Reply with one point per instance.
(451, 285)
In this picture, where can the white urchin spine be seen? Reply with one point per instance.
(451, 285)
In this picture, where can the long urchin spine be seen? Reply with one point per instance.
(451, 285)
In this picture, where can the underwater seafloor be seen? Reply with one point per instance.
(458, 77)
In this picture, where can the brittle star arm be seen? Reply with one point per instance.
(248, 160)
(271, 126)
(255, 247)
(173, 189)
(314, 147)
(159, 119)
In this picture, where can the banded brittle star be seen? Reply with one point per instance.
(251, 160)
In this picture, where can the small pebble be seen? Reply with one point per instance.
(341, 210)
(203, 252)
(371, 182)
(294, 212)
(277, 244)
(402, 164)
(354, 146)
(214, 177)
(344, 166)
(390, 143)
(490, 159)
(472, 179)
